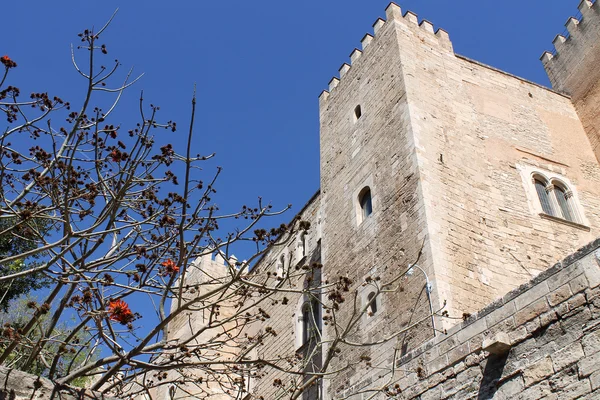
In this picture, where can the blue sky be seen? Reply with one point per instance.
(259, 67)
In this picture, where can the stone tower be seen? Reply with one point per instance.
(573, 68)
(471, 178)
(451, 152)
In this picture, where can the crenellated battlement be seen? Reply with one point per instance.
(575, 52)
(393, 15)
(573, 67)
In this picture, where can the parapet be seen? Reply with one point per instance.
(394, 15)
(573, 65)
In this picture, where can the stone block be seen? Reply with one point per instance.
(500, 314)
(510, 388)
(576, 301)
(458, 353)
(532, 311)
(595, 380)
(564, 276)
(432, 394)
(576, 390)
(536, 392)
(438, 364)
(559, 295)
(548, 318)
(538, 371)
(589, 365)
(579, 284)
(499, 344)
(531, 295)
(518, 335)
(471, 330)
(592, 270)
(567, 356)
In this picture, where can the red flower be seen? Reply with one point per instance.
(8, 63)
(119, 311)
(115, 155)
(171, 267)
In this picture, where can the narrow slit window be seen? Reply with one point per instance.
(366, 203)
(311, 321)
(542, 193)
(372, 304)
(303, 244)
(357, 113)
(280, 267)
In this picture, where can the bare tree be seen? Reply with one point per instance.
(129, 226)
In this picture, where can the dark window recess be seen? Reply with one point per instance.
(540, 187)
(372, 309)
(366, 204)
(357, 112)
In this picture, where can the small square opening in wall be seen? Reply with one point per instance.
(357, 113)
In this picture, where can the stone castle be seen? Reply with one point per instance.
(470, 183)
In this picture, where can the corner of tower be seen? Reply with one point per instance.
(573, 67)
(394, 15)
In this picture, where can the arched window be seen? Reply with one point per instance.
(366, 203)
(556, 199)
(280, 266)
(308, 327)
(357, 113)
(302, 244)
(371, 304)
(564, 199)
(306, 323)
(540, 187)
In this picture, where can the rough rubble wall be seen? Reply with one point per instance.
(476, 129)
(17, 385)
(573, 68)
(552, 326)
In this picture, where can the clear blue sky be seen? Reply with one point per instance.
(259, 67)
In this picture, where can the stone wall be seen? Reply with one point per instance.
(17, 385)
(541, 340)
(573, 67)
(284, 308)
(203, 275)
(478, 135)
(447, 146)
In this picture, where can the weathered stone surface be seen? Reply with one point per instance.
(17, 385)
(549, 358)
(567, 356)
(499, 344)
(531, 311)
(538, 371)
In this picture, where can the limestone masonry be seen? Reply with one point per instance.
(493, 179)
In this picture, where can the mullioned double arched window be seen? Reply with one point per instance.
(556, 198)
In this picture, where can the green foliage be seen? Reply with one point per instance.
(19, 239)
(18, 314)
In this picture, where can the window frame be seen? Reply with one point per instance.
(372, 304)
(365, 204)
(552, 179)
